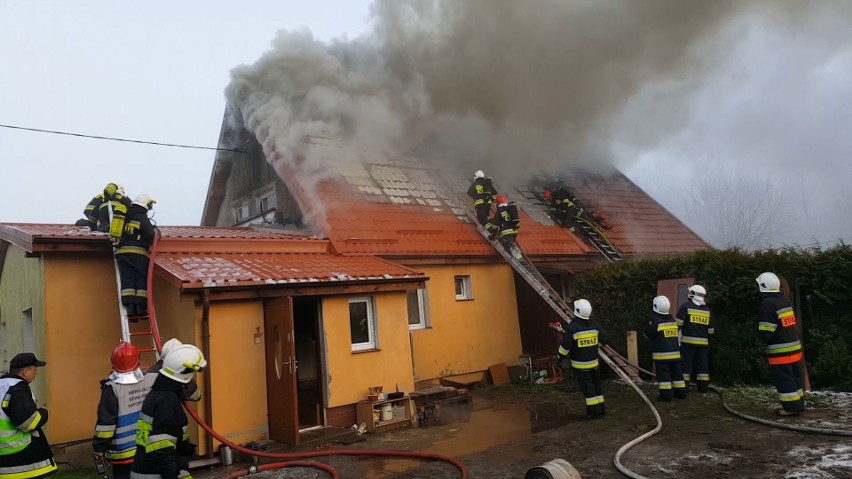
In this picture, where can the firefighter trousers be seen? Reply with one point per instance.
(670, 380)
(590, 385)
(695, 361)
(787, 379)
(133, 270)
(482, 212)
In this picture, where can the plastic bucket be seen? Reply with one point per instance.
(387, 412)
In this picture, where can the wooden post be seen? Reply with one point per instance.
(632, 348)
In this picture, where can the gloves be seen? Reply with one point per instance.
(43, 412)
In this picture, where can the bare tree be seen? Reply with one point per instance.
(729, 209)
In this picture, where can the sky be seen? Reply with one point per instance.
(721, 110)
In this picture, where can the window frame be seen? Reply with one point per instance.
(238, 207)
(422, 309)
(467, 290)
(372, 325)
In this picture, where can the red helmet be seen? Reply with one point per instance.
(501, 200)
(546, 195)
(125, 358)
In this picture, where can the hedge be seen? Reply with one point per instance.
(820, 280)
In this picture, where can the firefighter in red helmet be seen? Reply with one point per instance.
(505, 222)
(118, 410)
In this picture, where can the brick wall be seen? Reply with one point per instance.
(675, 290)
(341, 416)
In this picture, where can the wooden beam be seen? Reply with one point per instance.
(332, 289)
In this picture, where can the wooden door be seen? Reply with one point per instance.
(281, 371)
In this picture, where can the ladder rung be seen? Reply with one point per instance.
(146, 350)
(140, 333)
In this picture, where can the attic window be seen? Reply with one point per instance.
(241, 211)
(267, 202)
(463, 291)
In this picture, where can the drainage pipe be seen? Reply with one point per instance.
(208, 378)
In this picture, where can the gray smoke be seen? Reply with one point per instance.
(509, 86)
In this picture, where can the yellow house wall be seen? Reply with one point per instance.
(351, 373)
(21, 289)
(467, 336)
(238, 369)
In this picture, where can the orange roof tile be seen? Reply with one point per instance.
(253, 269)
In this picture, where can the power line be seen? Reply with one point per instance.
(39, 130)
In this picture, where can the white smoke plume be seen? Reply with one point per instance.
(512, 86)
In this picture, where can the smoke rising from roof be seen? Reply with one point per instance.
(511, 86)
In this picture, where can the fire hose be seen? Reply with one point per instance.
(293, 456)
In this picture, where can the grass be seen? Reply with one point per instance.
(68, 472)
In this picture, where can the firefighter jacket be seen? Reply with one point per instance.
(506, 219)
(138, 232)
(779, 328)
(116, 202)
(662, 331)
(118, 413)
(580, 342)
(481, 190)
(92, 211)
(562, 200)
(162, 434)
(696, 326)
(24, 450)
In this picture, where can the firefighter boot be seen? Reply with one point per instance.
(131, 313)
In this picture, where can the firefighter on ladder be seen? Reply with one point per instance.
(505, 222)
(93, 210)
(665, 351)
(163, 449)
(483, 193)
(779, 329)
(118, 410)
(580, 342)
(695, 322)
(132, 257)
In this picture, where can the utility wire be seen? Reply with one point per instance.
(39, 130)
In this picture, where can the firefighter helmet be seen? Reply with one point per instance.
(169, 346)
(662, 305)
(110, 189)
(182, 363)
(696, 294)
(547, 195)
(478, 174)
(502, 201)
(582, 308)
(768, 283)
(144, 201)
(119, 189)
(125, 358)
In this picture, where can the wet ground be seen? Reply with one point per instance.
(508, 430)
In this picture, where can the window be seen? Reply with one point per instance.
(267, 202)
(241, 211)
(682, 291)
(418, 309)
(362, 324)
(463, 291)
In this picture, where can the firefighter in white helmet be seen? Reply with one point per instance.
(779, 329)
(191, 391)
(580, 342)
(163, 449)
(132, 257)
(665, 351)
(696, 325)
(483, 193)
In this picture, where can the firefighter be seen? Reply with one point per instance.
(191, 391)
(91, 212)
(580, 343)
(564, 206)
(24, 450)
(118, 410)
(483, 193)
(694, 320)
(505, 222)
(132, 257)
(163, 449)
(779, 329)
(665, 351)
(113, 199)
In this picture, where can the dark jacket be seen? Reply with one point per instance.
(162, 436)
(662, 331)
(92, 211)
(695, 323)
(506, 219)
(481, 190)
(138, 232)
(580, 342)
(118, 414)
(779, 329)
(36, 459)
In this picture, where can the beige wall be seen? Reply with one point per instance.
(468, 336)
(351, 373)
(21, 289)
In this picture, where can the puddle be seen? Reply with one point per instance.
(475, 428)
